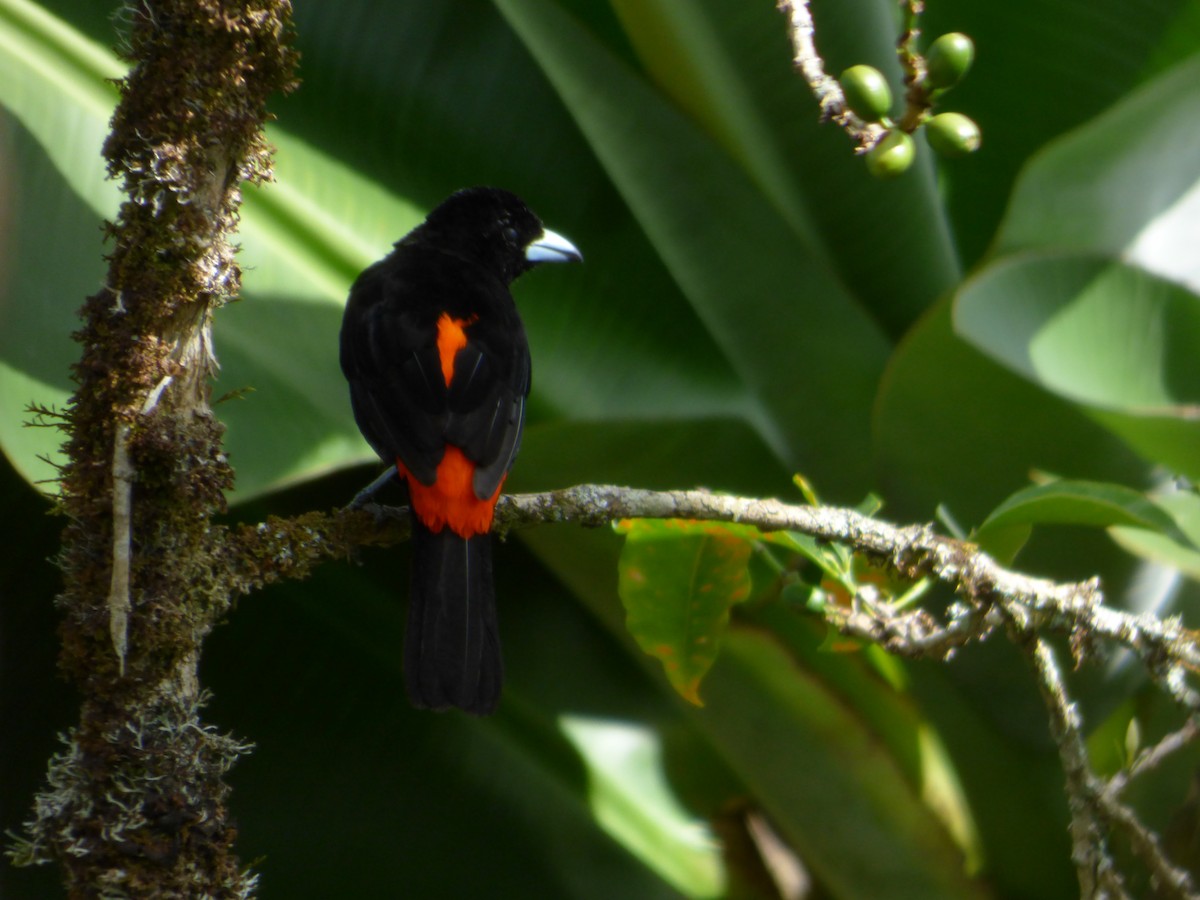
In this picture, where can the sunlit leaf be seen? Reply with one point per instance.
(1094, 53)
(631, 798)
(1088, 191)
(1110, 337)
(1183, 507)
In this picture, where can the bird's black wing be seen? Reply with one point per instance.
(487, 401)
(389, 356)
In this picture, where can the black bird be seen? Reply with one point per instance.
(439, 370)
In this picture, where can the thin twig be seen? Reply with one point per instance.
(918, 95)
(1152, 757)
(1098, 876)
(122, 525)
(807, 61)
(1172, 881)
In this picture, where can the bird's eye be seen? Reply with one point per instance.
(510, 234)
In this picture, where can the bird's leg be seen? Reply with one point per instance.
(363, 497)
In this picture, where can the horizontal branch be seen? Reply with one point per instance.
(281, 549)
(913, 550)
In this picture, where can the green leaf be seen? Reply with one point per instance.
(54, 113)
(632, 800)
(1079, 503)
(1004, 542)
(1114, 339)
(1065, 502)
(1108, 743)
(830, 751)
(1159, 548)
(958, 429)
(727, 67)
(1183, 507)
(678, 581)
(1090, 190)
(1089, 294)
(683, 53)
(1092, 53)
(822, 775)
(58, 83)
(833, 559)
(727, 247)
(877, 686)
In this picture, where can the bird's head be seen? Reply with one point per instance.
(495, 229)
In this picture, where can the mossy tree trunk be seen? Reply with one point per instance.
(136, 805)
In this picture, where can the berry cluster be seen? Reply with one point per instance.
(950, 134)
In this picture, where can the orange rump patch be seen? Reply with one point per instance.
(451, 338)
(451, 499)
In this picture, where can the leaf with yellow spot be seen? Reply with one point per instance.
(678, 580)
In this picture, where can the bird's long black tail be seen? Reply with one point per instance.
(452, 647)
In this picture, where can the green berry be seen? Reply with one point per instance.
(892, 155)
(952, 134)
(948, 59)
(867, 92)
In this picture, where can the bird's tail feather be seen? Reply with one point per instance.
(452, 646)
